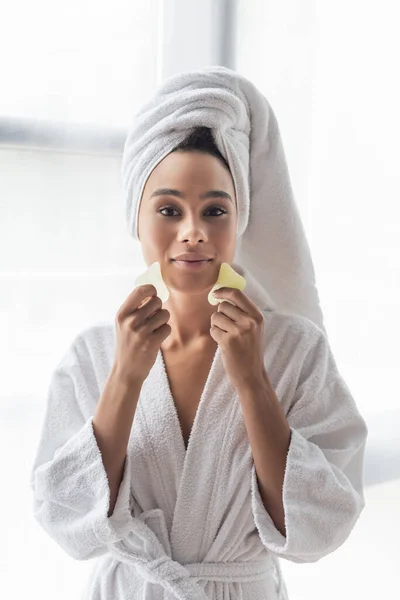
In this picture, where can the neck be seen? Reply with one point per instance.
(190, 321)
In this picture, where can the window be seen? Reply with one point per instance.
(327, 70)
(73, 76)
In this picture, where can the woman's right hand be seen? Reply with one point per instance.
(141, 327)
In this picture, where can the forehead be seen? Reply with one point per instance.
(192, 169)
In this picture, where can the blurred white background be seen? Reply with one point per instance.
(73, 77)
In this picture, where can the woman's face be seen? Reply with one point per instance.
(170, 224)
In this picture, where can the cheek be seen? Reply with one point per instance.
(147, 224)
(155, 237)
(227, 231)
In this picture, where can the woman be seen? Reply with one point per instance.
(190, 445)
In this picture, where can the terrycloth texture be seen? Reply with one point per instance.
(271, 239)
(190, 524)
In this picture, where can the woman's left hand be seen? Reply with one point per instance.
(238, 330)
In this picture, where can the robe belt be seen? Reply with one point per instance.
(147, 548)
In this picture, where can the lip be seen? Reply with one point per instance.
(191, 264)
(192, 256)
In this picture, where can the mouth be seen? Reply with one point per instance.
(191, 264)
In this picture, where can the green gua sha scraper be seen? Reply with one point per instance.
(227, 278)
(153, 276)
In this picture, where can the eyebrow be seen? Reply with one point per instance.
(209, 194)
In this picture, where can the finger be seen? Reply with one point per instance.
(136, 299)
(238, 297)
(147, 310)
(233, 312)
(223, 322)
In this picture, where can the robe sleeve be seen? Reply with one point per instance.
(71, 493)
(323, 482)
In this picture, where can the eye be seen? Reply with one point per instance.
(213, 208)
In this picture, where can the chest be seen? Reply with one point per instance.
(187, 374)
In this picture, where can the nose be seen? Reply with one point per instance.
(193, 230)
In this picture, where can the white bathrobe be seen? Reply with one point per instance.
(191, 525)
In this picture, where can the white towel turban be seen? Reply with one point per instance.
(271, 240)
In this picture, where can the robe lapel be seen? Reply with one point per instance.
(196, 517)
(187, 481)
